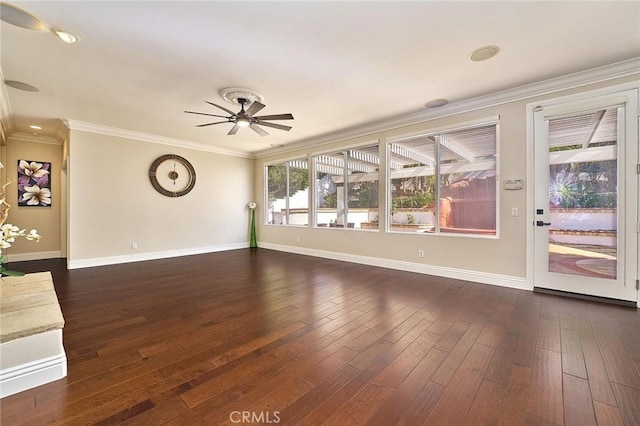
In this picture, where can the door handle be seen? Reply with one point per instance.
(541, 223)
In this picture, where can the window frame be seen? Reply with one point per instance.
(438, 131)
(377, 142)
(286, 161)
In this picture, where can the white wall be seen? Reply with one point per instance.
(112, 203)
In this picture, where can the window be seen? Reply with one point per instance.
(445, 182)
(288, 193)
(350, 205)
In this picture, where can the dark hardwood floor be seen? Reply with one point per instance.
(276, 338)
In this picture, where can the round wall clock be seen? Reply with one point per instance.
(172, 175)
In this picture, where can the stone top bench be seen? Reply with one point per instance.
(28, 306)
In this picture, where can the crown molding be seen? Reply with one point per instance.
(583, 78)
(148, 137)
(25, 137)
(6, 126)
(4, 131)
(61, 131)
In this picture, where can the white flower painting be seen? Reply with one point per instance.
(34, 183)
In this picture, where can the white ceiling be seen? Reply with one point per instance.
(333, 65)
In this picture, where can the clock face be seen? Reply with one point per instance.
(172, 175)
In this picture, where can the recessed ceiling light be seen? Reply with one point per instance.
(34, 127)
(20, 18)
(437, 103)
(65, 36)
(21, 86)
(23, 19)
(484, 53)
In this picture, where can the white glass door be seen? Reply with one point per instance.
(585, 239)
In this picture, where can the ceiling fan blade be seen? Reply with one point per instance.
(203, 113)
(275, 117)
(234, 129)
(211, 124)
(255, 107)
(274, 125)
(258, 130)
(222, 108)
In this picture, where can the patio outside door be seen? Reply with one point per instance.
(586, 186)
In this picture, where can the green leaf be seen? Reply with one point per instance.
(11, 273)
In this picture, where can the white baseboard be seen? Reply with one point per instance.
(441, 271)
(140, 257)
(32, 374)
(40, 255)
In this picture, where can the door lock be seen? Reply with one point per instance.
(541, 223)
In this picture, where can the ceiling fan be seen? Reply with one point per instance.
(246, 118)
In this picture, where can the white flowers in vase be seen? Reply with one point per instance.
(11, 232)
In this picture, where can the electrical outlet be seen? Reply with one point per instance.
(514, 211)
(134, 246)
(420, 253)
(297, 239)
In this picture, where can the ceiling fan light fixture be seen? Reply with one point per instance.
(245, 118)
(243, 121)
(65, 36)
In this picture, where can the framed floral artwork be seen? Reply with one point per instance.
(34, 183)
